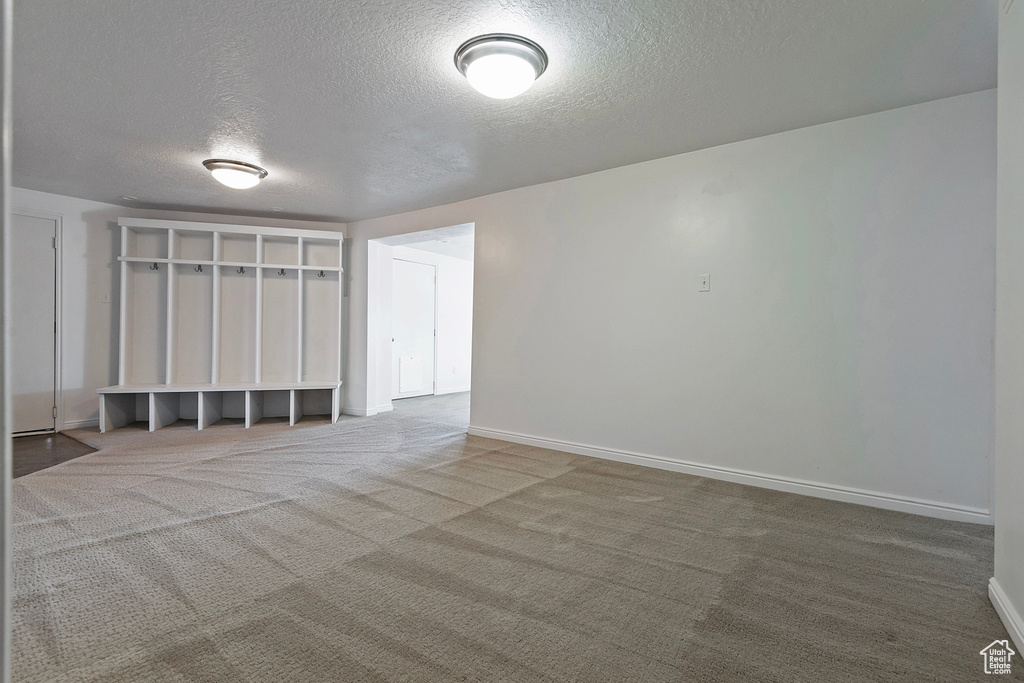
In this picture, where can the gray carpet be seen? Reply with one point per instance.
(396, 548)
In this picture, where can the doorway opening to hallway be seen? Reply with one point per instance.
(423, 298)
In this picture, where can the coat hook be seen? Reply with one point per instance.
(199, 268)
(154, 267)
(241, 270)
(281, 272)
(320, 274)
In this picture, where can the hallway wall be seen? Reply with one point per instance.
(1007, 587)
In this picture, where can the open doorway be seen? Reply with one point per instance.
(423, 297)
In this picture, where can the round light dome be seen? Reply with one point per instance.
(235, 174)
(501, 65)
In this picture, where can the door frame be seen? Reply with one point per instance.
(433, 377)
(58, 334)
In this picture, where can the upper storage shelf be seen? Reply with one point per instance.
(176, 242)
(145, 243)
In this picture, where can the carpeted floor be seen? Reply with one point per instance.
(396, 548)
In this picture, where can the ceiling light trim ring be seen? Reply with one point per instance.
(230, 164)
(501, 43)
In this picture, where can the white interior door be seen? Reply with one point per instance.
(412, 325)
(32, 329)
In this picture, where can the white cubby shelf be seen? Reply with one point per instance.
(226, 321)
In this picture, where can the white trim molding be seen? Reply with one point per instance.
(928, 508)
(456, 390)
(369, 412)
(80, 424)
(1010, 616)
(359, 412)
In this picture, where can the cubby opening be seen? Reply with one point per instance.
(320, 311)
(141, 407)
(276, 404)
(234, 405)
(165, 408)
(281, 251)
(188, 406)
(237, 248)
(123, 409)
(143, 243)
(280, 326)
(221, 406)
(316, 403)
(193, 246)
(192, 324)
(320, 253)
(145, 337)
(237, 348)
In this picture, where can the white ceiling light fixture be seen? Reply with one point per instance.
(501, 65)
(235, 174)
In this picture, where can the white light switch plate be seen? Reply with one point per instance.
(705, 283)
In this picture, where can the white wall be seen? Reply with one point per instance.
(1007, 588)
(379, 336)
(845, 348)
(91, 244)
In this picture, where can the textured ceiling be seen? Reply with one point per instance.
(357, 110)
(456, 241)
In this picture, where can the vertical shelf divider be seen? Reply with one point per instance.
(215, 323)
(169, 344)
(123, 313)
(341, 309)
(259, 309)
(253, 407)
(301, 316)
(294, 407)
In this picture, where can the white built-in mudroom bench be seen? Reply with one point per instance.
(226, 321)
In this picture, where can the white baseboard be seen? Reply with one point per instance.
(80, 424)
(452, 391)
(357, 412)
(1010, 616)
(928, 508)
(369, 412)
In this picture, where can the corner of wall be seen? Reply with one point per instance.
(1008, 614)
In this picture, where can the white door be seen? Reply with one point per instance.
(33, 265)
(412, 325)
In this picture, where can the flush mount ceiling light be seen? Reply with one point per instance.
(501, 65)
(236, 174)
